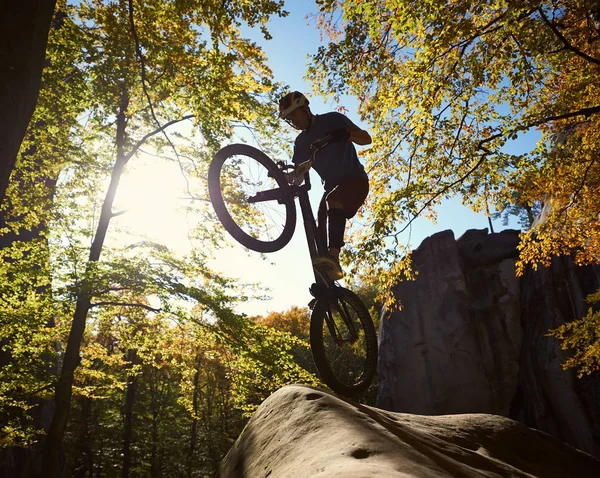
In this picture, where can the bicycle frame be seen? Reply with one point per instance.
(316, 239)
(317, 242)
(317, 246)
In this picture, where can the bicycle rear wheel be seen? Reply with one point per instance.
(343, 342)
(237, 177)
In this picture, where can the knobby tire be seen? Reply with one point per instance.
(347, 382)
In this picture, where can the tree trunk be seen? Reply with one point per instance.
(154, 429)
(64, 386)
(128, 415)
(194, 431)
(24, 30)
(85, 459)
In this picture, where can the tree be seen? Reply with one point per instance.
(27, 353)
(447, 87)
(24, 31)
(296, 322)
(146, 63)
(582, 337)
(526, 213)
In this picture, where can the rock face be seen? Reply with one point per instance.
(471, 338)
(305, 432)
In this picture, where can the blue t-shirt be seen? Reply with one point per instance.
(338, 160)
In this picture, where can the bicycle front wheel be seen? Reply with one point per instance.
(343, 342)
(247, 192)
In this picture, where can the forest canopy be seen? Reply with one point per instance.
(119, 355)
(447, 87)
(122, 357)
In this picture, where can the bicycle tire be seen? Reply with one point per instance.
(352, 375)
(217, 178)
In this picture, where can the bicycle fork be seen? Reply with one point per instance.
(317, 244)
(341, 308)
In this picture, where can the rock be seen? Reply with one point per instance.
(306, 432)
(455, 346)
(549, 398)
(471, 338)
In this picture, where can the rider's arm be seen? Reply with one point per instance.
(296, 177)
(345, 129)
(359, 136)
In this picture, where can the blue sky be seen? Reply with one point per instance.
(288, 272)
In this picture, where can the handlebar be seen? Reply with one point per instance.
(319, 144)
(315, 147)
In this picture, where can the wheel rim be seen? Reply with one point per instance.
(346, 351)
(241, 178)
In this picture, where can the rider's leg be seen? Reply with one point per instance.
(342, 203)
(337, 226)
(322, 223)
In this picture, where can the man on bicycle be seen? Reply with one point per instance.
(345, 180)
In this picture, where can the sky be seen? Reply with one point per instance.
(287, 273)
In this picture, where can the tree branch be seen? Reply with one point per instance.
(582, 112)
(463, 44)
(460, 128)
(564, 41)
(140, 143)
(120, 213)
(576, 193)
(444, 190)
(140, 55)
(125, 304)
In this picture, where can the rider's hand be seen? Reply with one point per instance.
(339, 135)
(302, 168)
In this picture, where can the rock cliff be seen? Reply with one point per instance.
(471, 338)
(304, 432)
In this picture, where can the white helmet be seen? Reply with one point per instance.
(290, 102)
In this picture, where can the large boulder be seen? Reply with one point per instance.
(471, 338)
(305, 432)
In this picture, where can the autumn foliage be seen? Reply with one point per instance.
(448, 87)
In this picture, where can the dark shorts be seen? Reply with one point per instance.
(350, 193)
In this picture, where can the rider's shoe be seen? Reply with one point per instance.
(330, 265)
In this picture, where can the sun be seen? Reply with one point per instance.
(150, 202)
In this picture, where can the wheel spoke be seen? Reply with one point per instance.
(263, 220)
(344, 342)
(236, 175)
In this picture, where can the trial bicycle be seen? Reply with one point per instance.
(255, 203)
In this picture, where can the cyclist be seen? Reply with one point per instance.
(345, 180)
